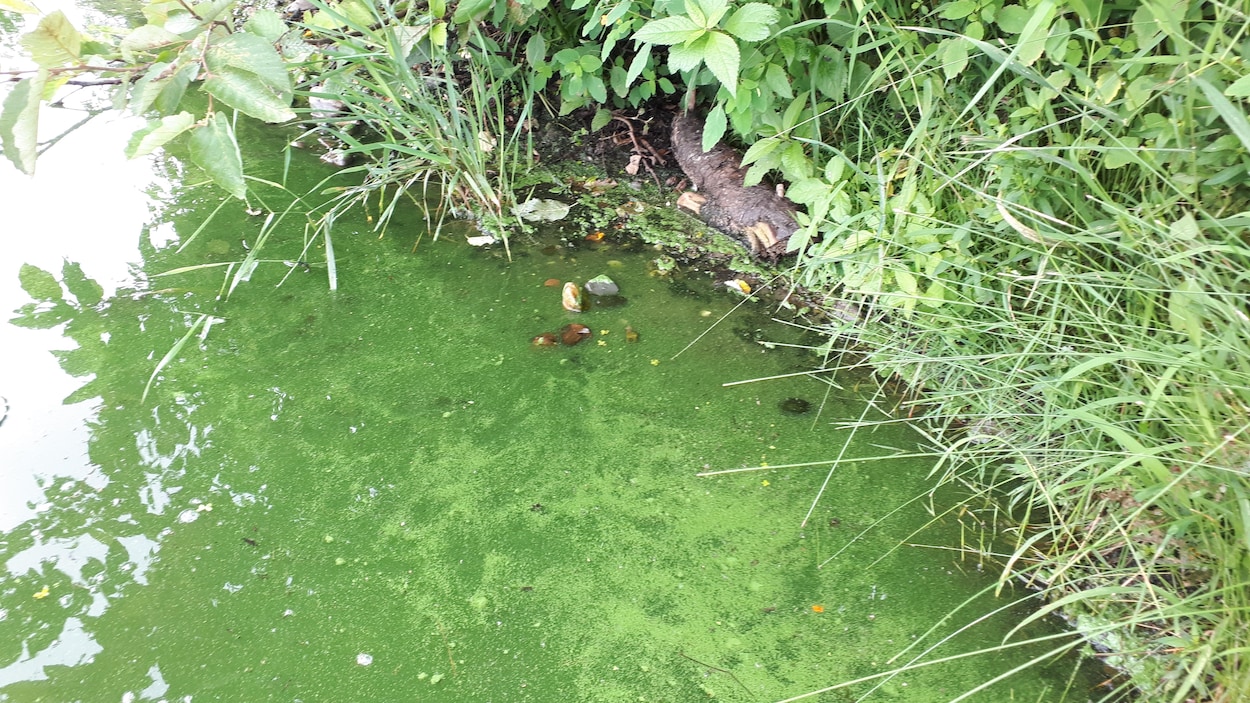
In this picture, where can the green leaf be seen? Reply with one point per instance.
(1239, 89)
(619, 80)
(1012, 18)
(39, 284)
(85, 290)
(158, 133)
(470, 11)
(957, 10)
(954, 57)
(721, 57)
(601, 119)
(266, 24)
(1233, 116)
(596, 88)
(714, 127)
(670, 30)
(906, 281)
(536, 49)
(214, 149)
(751, 21)
(54, 42)
(246, 73)
(713, 10)
(760, 149)
(809, 190)
(686, 58)
(19, 122)
(147, 39)
(776, 79)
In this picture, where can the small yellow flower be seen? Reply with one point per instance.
(764, 482)
(603, 343)
(604, 331)
(42, 594)
(655, 362)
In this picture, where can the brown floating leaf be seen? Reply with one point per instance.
(546, 339)
(573, 333)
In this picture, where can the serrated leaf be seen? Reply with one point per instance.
(157, 133)
(721, 57)
(713, 10)
(759, 150)
(246, 73)
(39, 284)
(54, 42)
(601, 119)
(776, 79)
(266, 24)
(639, 63)
(19, 122)
(214, 149)
(669, 30)
(714, 127)
(170, 96)
(751, 21)
(685, 58)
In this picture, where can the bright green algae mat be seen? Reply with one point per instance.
(385, 493)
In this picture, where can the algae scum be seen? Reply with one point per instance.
(386, 493)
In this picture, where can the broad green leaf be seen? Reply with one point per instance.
(776, 79)
(1122, 154)
(619, 80)
(713, 10)
(536, 49)
(214, 149)
(19, 122)
(1033, 36)
(957, 10)
(809, 190)
(954, 57)
(670, 30)
(18, 6)
(714, 127)
(751, 21)
(760, 149)
(39, 284)
(601, 119)
(157, 133)
(146, 39)
(542, 210)
(596, 88)
(1012, 18)
(1185, 229)
(906, 281)
(1239, 89)
(266, 24)
(721, 57)
(686, 58)
(247, 74)
(470, 11)
(438, 8)
(54, 42)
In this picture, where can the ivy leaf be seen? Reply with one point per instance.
(54, 42)
(247, 74)
(158, 133)
(714, 127)
(751, 21)
(670, 30)
(19, 122)
(214, 149)
(721, 57)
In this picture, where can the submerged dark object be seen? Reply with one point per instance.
(794, 406)
(756, 216)
(573, 333)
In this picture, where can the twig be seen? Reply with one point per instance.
(716, 668)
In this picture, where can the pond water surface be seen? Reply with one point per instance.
(386, 493)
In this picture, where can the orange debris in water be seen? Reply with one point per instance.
(594, 237)
(818, 608)
(551, 282)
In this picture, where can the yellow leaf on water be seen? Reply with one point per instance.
(42, 594)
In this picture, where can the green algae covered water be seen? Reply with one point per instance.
(387, 493)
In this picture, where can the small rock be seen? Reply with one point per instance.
(602, 285)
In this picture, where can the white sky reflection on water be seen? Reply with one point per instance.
(87, 204)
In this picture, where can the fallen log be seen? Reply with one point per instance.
(756, 216)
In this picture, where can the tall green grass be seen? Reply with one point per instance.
(1052, 247)
(420, 119)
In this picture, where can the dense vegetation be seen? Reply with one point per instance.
(1039, 207)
